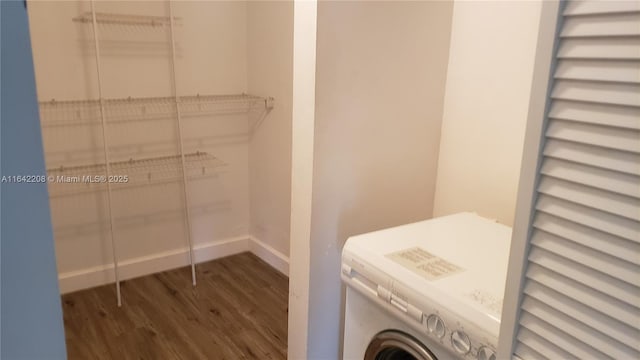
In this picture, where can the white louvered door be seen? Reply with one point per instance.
(580, 288)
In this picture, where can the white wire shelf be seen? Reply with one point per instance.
(87, 112)
(75, 180)
(92, 154)
(141, 220)
(126, 19)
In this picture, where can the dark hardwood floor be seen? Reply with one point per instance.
(238, 310)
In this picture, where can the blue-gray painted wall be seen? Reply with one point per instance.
(31, 316)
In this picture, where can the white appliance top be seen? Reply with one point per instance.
(456, 263)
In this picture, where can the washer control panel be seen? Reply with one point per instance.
(486, 353)
(452, 334)
(460, 342)
(435, 326)
(459, 336)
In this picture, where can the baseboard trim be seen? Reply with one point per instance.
(271, 256)
(141, 266)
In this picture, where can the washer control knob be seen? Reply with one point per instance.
(435, 325)
(460, 342)
(486, 353)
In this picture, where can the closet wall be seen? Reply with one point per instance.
(485, 108)
(214, 42)
(269, 72)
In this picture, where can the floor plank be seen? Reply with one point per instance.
(237, 311)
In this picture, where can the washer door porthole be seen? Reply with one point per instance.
(396, 345)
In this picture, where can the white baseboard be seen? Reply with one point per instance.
(271, 256)
(132, 268)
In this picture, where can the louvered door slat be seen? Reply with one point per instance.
(584, 275)
(556, 335)
(584, 314)
(597, 260)
(624, 184)
(598, 70)
(619, 310)
(607, 137)
(600, 49)
(583, 334)
(580, 294)
(592, 218)
(617, 204)
(599, 114)
(525, 352)
(594, 239)
(599, 7)
(597, 92)
(621, 24)
(543, 347)
(621, 161)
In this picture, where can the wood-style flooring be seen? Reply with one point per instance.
(238, 310)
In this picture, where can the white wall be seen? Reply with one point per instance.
(489, 78)
(269, 73)
(380, 80)
(136, 62)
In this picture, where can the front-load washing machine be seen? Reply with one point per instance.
(427, 290)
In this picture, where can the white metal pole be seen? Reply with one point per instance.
(106, 153)
(184, 168)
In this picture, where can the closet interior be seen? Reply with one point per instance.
(166, 128)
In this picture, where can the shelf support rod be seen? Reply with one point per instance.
(180, 139)
(106, 154)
